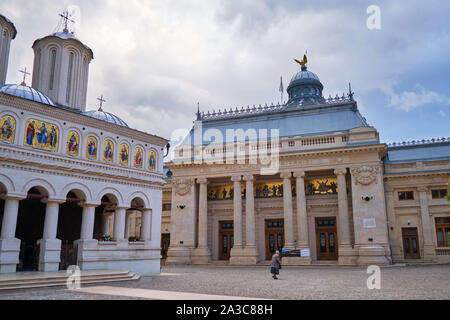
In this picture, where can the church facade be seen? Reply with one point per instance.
(309, 178)
(71, 179)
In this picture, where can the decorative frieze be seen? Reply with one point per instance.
(365, 175)
(182, 186)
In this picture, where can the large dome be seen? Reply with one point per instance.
(26, 92)
(305, 88)
(106, 116)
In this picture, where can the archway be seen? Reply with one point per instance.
(133, 223)
(3, 191)
(103, 223)
(30, 228)
(69, 227)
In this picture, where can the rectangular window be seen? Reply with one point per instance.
(52, 68)
(69, 78)
(167, 206)
(405, 195)
(438, 194)
(443, 232)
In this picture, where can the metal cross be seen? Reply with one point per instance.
(101, 102)
(25, 73)
(66, 17)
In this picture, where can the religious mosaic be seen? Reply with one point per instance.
(138, 157)
(73, 143)
(260, 190)
(108, 151)
(42, 135)
(321, 186)
(152, 160)
(124, 154)
(91, 148)
(8, 124)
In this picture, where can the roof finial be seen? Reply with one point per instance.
(101, 103)
(25, 74)
(303, 62)
(198, 111)
(350, 92)
(66, 17)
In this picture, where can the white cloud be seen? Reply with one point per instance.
(409, 100)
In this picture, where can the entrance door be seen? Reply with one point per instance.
(410, 243)
(226, 239)
(326, 239)
(165, 242)
(274, 237)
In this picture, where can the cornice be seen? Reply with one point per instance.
(399, 175)
(78, 118)
(33, 160)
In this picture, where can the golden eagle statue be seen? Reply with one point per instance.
(303, 62)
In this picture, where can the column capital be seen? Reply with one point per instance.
(249, 177)
(340, 171)
(86, 204)
(10, 196)
(299, 174)
(236, 178)
(422, 188)
(202, 180)
(53, 200)
(286, 175)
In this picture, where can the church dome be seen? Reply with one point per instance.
(26, 92)
(106, 116)
(305, 88)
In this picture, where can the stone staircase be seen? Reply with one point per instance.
(28, 280)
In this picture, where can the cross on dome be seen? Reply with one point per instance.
(101, 102)
(66, 18)
(25, 74)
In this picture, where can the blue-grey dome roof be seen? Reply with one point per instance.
(26, 92)
(305, 88)
(105, 116)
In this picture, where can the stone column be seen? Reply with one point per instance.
(428, 246)
(250, 251)
(155, 225)
(87, 222)
(119, 225)
(202, 254)
(49, 246)
(106, 222)
(288, 214)
(9, 245)
(236, 251)
(302, 217)
(128, 215)
(146, 224)
(345, 250)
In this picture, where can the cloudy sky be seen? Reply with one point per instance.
(154, 60)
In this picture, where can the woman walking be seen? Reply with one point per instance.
(276, 264)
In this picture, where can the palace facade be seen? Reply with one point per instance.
(77, 187)
(310, 178)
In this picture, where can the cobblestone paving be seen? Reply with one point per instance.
(312, 282)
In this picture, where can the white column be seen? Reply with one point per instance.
(288, 214)
(119, 224)
(155, 236)
(250, 211)
(51, 220)
(302, 217)
(87, 222)
(237, 206)
(203, 214)
(128, 214)
(343, 215)
(10, 218)
(106, 221)
(146, 224)
(428, 246)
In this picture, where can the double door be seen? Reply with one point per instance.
(274, 237)
(410, 243)
(226, 239)
(326, 239)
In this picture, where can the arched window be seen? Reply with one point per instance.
(69, 77)
(52, 68)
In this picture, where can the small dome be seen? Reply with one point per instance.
(304, 89)
(105, 116)
(305, 77)
(26, 92)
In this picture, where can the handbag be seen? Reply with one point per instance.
(279, 267)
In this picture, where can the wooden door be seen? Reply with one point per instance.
(226, 239)
(165, 242)
(274, 237)
(326, 239)
(410, 243)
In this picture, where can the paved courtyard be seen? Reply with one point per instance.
(311, 282)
